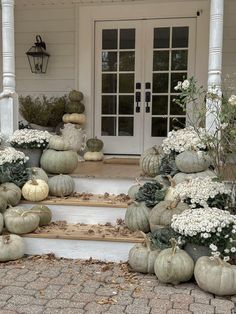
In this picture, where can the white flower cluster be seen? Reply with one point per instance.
(182, 85)
(232, 100)
(199, 190)
(203, 222)
(11, 155)
(21, 138)
(184, 139)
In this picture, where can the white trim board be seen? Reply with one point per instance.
(84, 214)
(79, 249)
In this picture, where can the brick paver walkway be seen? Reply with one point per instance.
(45, 285)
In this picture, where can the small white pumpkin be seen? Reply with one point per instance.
(181, 176)
(142, 257)
(173, 265)
(192, 161)
(215, 276)
(136, 217)
(58, 143)
(61, 185)
(35, 190)
(11, 247)
(93, 156)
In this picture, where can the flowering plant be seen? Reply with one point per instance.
(9, 155)
(29, 138)
(184, 139)
(210, 227)
(220, 110)
(202, 192)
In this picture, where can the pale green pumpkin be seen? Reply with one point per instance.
(61, 185)
(191, 161)
(38, 173)
(133, 190)
(11, 192)
(136, 217)
(150, 162)
(44, 213)
(57, 142)
(11, 247)
(94, 145)
(181, 176)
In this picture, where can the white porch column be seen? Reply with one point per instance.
(215, 55)
(8, 98)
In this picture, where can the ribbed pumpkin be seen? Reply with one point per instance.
(93, 156)
(142, 257)
(94, 145)
(74, 107)
(215, 276)
(11, 192)
(133, 190)
(78, 118)
(44, 213)
(162, 213)
(20, 220)
(61, 185)
(1, 223)
(136, 217)
(75, 95)
(173, 266)
(35, 190)
(38, 173)
(58, 143)
(150, 162)
(3, 204)
(191, 161)
(57, 162)
(181, 176)
(11, 247)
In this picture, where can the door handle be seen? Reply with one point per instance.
(138, 97)
(147, 101)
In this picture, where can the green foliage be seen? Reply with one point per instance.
(14, 172)
(151, 193)
(44, 112)
(161, 237)
(168, 165)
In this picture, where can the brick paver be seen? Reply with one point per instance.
(52, 286)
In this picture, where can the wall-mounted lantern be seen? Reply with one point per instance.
(38, 56)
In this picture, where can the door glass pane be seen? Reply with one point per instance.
(109, 61)
(160, 82)
(177, 123)
(179, 60)
(159, 127)
(161, 60)
(175, 109)
(127, 61)
(109, 104)
(109, 38)
(179, 37)
(159, 105)
(108, 126)
(127, 38)
(175, 78)
(126, 126)
(126, 83)
(109, 83)
(126, 104)
(162, 37)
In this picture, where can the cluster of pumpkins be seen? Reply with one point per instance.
(17, 220)
(173, 265)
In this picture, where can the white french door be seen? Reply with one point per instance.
(137, 65)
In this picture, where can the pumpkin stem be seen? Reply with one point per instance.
(34, 180)
(172, 181)
(219, 260)
(155, 148)
(174, 245)
(6, 238)
(147, 241)
(174, 203)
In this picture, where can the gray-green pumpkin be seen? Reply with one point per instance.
(150, 162)
(182, 176)
(136, 217)
(11, 192)
(11, 247)
(192, 161)
(57, 162)
(173, 266)
(74, 107)
(44, 213)
(61, 185)
(142, 257)
(37, 173)
(20, 220)
(94, 145)
(3, 204)
(75, 95)
(1, 223)
(133, 190)
(162, 213)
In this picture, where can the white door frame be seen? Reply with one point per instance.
(85, 37)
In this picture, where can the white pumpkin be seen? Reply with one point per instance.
(192, 161)
(93, 156)
(58, 143)
(11, 247)
(215, 276)
(35, 190)
(181, 176)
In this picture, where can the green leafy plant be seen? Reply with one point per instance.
(151, 193)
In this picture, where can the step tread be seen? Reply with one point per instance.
(85, 199)
(62, 230)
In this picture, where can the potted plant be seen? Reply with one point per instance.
(31, 142)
